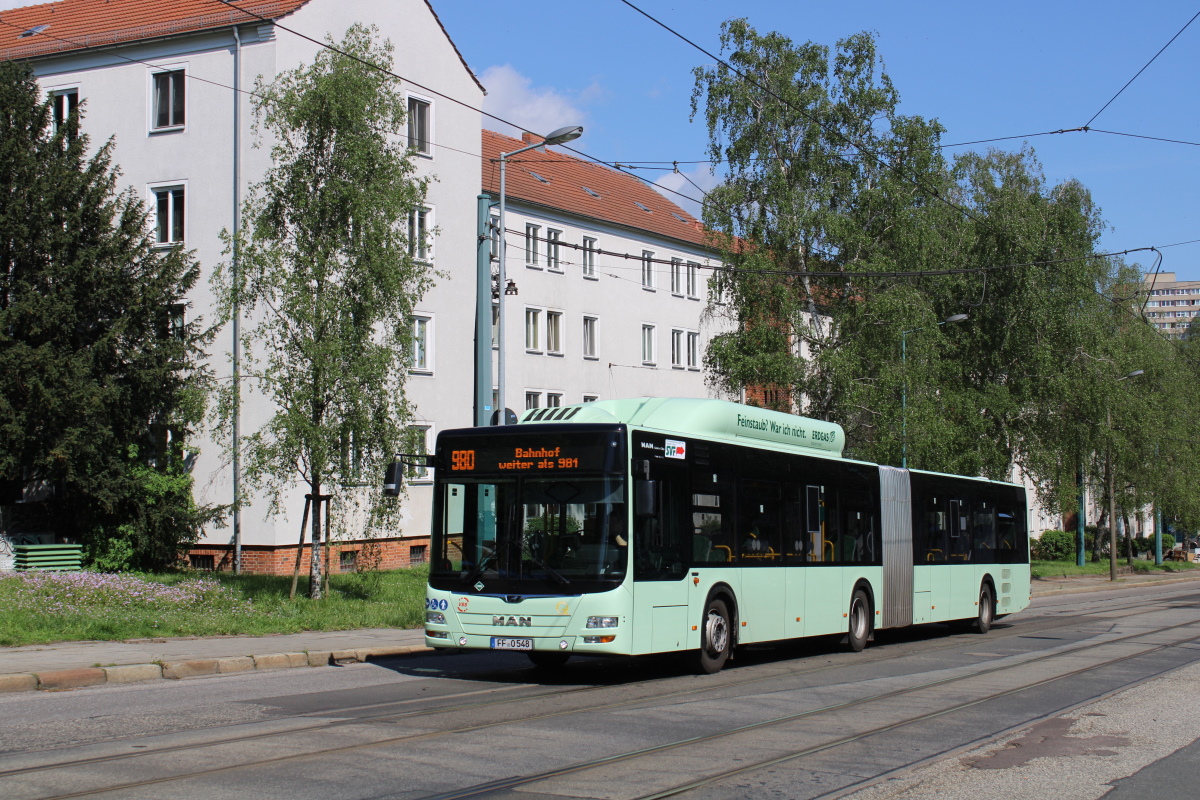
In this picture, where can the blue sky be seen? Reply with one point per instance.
(984, 70)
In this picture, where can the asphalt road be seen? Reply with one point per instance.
(920, 713)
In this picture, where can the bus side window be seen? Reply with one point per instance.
(931, 540)
(712, 535)
(814, 526)
(983, 529)
(758, 527)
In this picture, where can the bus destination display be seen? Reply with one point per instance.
(515, 454)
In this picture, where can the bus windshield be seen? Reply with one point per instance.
(529, 534)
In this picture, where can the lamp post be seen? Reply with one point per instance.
(1112, 496)
(559, 136)
(904, 388)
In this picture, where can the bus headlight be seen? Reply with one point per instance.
(599, 639)
(601, 622)
(436, 617)
(437, 634)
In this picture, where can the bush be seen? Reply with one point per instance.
(1055, 546)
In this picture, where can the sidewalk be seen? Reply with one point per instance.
(69, 665)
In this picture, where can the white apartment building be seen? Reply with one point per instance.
(1171, 305)
(610, 275)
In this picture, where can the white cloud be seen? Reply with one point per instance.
(673, 182)
(512, 96)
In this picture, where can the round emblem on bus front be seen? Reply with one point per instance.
(462, 605)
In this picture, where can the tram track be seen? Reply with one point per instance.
(872, 657)
(1060, 652)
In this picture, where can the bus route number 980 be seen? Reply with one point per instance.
(462, 460)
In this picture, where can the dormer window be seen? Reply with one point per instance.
(592, 193)
(539, 177)
(34, 31)
(642, 207)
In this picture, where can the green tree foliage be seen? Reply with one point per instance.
(328, 279)
(826, 186)
(99, 383)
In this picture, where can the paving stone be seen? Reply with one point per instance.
(70, 678)
(318, 658)
(18, 682)
(235, 664)
(187, 669)
(133, 673)
(274, 661)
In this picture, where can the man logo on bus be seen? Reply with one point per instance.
(516, 622)
(674, 449)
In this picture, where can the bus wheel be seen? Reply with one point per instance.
(548, 659)
(860, 621)
(714, 637)
(987, 610)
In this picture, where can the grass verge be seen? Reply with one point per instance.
(37, 608)
(1062, 569)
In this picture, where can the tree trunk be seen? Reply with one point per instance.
(1101, 531)
(1128, 539)
(315, 588)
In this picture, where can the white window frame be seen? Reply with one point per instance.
(533, 343)
(554, 330)
(693, 279)
(693, 350)
(417, 473)
(677, 276)
(58, 96)
(495, 324)
(554, 399)
(421, 249)
(676, 348)
(152, 192)
(152, 126)
(649, 344)
(589, 257)
(648, 270)
(591, 339)
(428, 101)
(421, 323)
(553, 243)
(536, 396)
(591, 398)
(532, 234)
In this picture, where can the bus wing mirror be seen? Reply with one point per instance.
(393, 478)
(645, 498)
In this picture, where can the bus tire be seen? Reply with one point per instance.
(859, 629)
(548, 659)
(715, 637)
(987, 610)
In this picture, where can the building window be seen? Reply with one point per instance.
(589, 257)
(590, 398)
(420, 344)
(553, 400)
(693, 350)
(647, 269)
(533, 322)
(169, 97)
(677, 349)
(494, 227)
(418, 554)
(533, 400)
(648, 344)
(169, 208)
(589, 337)
(176, 321)
(418, 125)
(495, 326)
(552, 240)
(418, 441)
(65, 103)
(202, 562)
(692, 278)
(554, 331)
(348, 560)
(532, 232)
(676, 276)
(418, 234)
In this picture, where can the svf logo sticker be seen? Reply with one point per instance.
(674, 449)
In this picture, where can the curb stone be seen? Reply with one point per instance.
(178, 670)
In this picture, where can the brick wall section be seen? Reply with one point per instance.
(774, 397)
(280, 560)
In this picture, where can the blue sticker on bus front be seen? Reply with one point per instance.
(433, 604)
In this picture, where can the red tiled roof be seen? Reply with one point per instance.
(564, 190)
(80, 24)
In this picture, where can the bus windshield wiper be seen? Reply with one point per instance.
(546, 567)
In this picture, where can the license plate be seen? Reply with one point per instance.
(505, 643)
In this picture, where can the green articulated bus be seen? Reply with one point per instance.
(652, 525)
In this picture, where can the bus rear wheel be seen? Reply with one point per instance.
(548, 659)
(987, 610)
(715, 638)
(860, 621)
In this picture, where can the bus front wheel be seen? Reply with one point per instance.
(987, 610)
(860, 621)
(715, 638)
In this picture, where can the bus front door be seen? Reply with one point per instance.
(660, 559)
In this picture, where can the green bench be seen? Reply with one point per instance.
(60, 557)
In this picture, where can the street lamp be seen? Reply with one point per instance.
(559, 136)
(1112, 495)
(904, 388)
